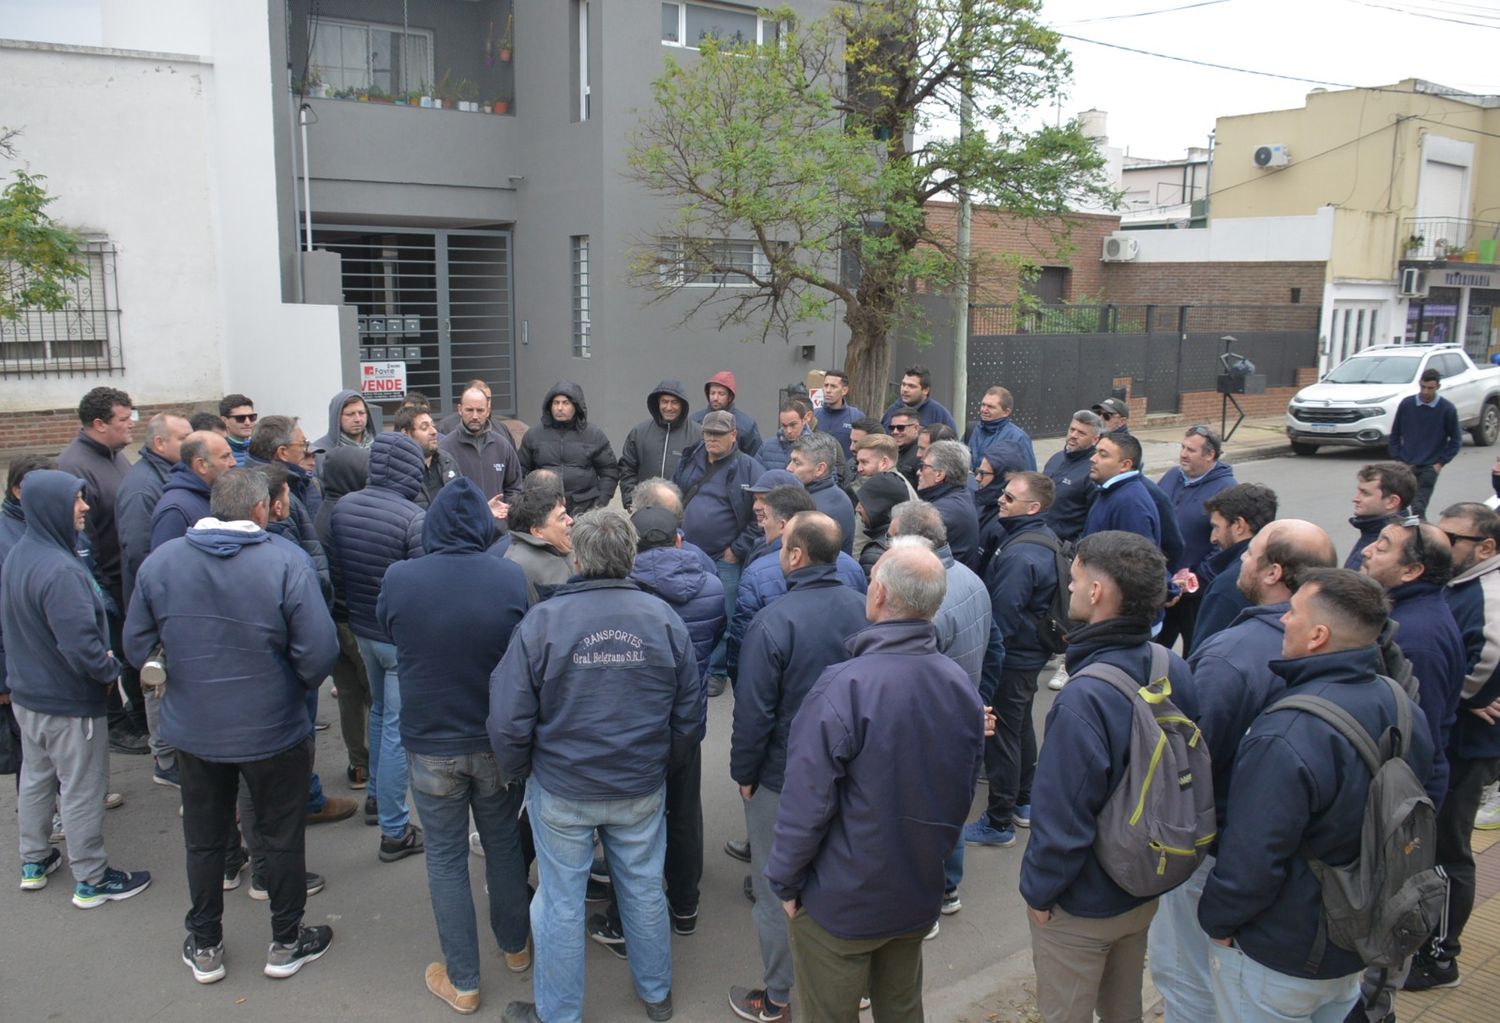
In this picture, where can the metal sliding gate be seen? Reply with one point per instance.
(441, 301)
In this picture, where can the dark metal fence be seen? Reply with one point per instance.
(1052, 373)
(82, 338)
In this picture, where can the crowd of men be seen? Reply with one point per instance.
(529, 665)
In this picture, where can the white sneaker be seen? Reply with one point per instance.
(1488, 818)
(475, 846)
(932, 933)
(1058, 680)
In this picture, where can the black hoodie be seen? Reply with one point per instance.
(578, 452)
(655, 447)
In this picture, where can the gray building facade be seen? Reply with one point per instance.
(497, 245)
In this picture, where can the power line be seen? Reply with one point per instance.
(1146, 14)
(1431, 17)
(1210, 64)
(1263, 74)
(1309, 159)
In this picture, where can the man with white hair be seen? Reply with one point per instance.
(858, 914)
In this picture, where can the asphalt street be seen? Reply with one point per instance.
(122, 962)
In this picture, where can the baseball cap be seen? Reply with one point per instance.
(718, 422)
(1114, 406)
(655, 527)
(771, 479)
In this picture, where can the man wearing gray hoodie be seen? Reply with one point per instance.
(655, 446)
(350, 423)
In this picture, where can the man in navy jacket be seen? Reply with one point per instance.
(596, 695)
(446, 661)
(717, 513)
(995, 425)
(1382, 491)
(1298, 791)
(1022, 581)
(1069, 472)
(860, 837)
(1474, 742)
(916, 393)
(942, 481)
(813, 459)
(1198, 476)
(1425, 436)
(1088, 935)
(1235, 516)
(837, 416)
(787, 647)
(58, 668)
(1412, 564)
(230, 587)
(1122, 501)
(203, 458)
(1233, 683)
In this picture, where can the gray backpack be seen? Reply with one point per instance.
(1385, 904)
(1157, 825)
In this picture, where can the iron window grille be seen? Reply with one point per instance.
(80, 339)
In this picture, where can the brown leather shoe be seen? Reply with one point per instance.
(336, 808)
(519, 962)
(465, 1002)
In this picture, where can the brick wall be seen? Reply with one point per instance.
(49, 431)
(1204, 406)
(1074, 242)
(1174, 284)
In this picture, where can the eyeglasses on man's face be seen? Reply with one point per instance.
(245, 417)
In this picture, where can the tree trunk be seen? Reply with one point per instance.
(868, 363)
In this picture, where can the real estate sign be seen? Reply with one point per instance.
(382, 381)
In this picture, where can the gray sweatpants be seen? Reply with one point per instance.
(770, 918)
(66, 765)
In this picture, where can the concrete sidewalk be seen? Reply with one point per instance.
(1254, 440)
(1478, 995)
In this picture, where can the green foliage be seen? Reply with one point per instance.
(824, 146)
(37, 257)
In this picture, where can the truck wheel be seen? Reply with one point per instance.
(1487, 429)
(1300, 447)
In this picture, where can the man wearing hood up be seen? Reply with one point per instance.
(373, 529)
(877, 498)
(350, 423)
(345, 472)
(446, 662)
(58, 668)
(229, 585)
(720, 392)
(654, 448)
(578, 452)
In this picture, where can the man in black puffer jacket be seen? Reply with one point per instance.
(372, 529)
(565, 443)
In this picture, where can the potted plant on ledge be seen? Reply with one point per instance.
(500, 104)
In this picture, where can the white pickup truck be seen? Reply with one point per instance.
(1355, 404)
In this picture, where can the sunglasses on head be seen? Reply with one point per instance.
(1414, 522)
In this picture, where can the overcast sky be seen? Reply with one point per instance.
(1159, 107)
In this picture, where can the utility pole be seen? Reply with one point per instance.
(965, 218)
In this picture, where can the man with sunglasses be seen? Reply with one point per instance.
(1474, 597)
(1114, 413)
(906, 428)
(238, 414)
(1022, 580)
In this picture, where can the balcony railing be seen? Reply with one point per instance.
(1427, 238)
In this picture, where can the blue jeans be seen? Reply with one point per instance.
(634, 834)
(953, 867)
(729, 575)
(387, 755)
(445, 789)
(1247, 992)
(1177, 951)
(315, 797)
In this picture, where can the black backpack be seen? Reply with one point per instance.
(1053, 623)
(1387, 903)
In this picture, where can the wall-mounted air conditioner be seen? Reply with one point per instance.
(1269, 157)
(1120, 248)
